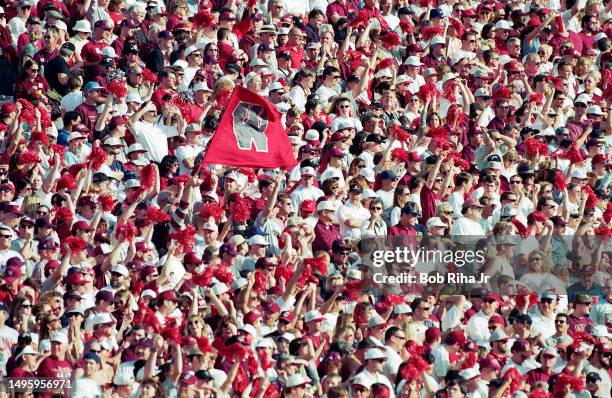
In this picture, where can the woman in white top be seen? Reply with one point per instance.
(401, 196)
(302, 84)
(539, 267)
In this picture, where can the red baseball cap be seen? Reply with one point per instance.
(309, 205)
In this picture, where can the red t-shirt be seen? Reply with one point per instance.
(429, 201)
(297, 55)
(54, 368)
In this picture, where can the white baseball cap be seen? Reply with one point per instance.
(134, 98)
(202, 86)
(503, 24)
(296, 379)
(136, 147)
(413, 61)
(326, 205)
(374, 353)
(27, 350)
(257, 240)
(313, 315)
(469, 373)
(82, 26)
(309, 171)
(59, 337)
(219, 288)
(435, 222)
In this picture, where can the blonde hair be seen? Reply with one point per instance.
(546, 265)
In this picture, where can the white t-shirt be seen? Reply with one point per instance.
(86, 388)
(325, 94)
(386, 197)
(184, 152)
(441, 361)
(302, 193)
(8, 338)
(154, 138)
(349, 211)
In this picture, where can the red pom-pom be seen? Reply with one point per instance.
(318, 264)
(429, 91)
(223, 274)
(574, 155)
(394, 299)
(305, 278)
(118, 88)
(410, 373)
(236, 351)
(457, 25)
(537, 98)
(76, 168)
(156, 215)
(443, 144)
(399, 133)
(604, 232)
(390, 40)
(204, 344)
(149, 76)
(212, 210)
(353, 59)
(27, 114)
(406, 26)
(428, 32)
(385, 63)
(534, 147)
(591, 201)
(437, 132)
(353, 288)
(29, 157)
(107, 203)
(185, 237)
(516, 378)
(260, 282)
(96, 158)
(128, 231)
(59, 149)
(147, 177)
(283, 271)
(171, 334)
(39, 136)
(181, 179)
(204, 278)
(576, 383)
(183, 106)
(203, 19)
(249, 173)
(501, 92)
(399, 155)
(360, 21)
(147, 317)
(75, 244)
(45, 117)
(458, 161)
(470, 361)
(560, 182)
(521, 229)
(63, 215)
(240, 210)
(66, 181)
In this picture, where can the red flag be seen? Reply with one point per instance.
(250, 134)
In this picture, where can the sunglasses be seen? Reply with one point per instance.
(516, 182)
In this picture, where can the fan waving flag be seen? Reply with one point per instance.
(250, 134)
